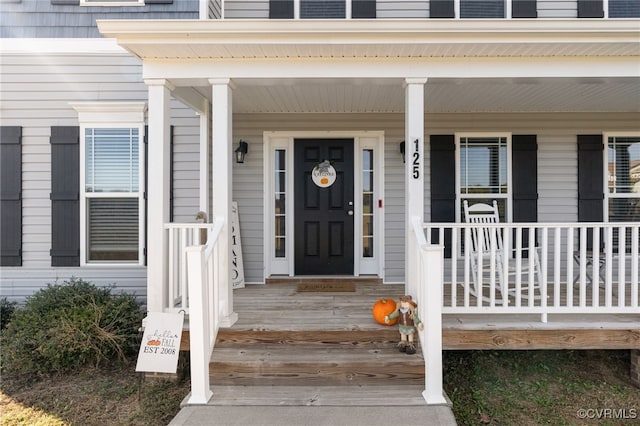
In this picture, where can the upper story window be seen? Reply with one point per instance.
(322, 9)
(624, 9)
(482, 9)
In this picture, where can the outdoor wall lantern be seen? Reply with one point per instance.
(402, 150)
(241, 151)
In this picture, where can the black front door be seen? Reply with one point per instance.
(323, 174)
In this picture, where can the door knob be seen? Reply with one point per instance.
(350, 212)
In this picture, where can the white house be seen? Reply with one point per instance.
(120, 122)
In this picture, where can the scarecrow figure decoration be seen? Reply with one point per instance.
(408, 321)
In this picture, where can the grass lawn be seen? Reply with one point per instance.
(542, 387)
(487, 387)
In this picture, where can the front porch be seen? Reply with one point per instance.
(292, 348)
(564, 313)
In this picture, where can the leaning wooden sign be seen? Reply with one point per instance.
(160, 345)
(237, 265)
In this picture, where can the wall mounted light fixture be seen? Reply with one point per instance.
(241, 151)
(402, 150)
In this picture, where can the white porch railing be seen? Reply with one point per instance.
(204, 310)
(573, 278)
(180, 236)
(424, 283)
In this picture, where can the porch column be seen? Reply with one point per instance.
(205, 202)
(157, 191)
(414, 169)
(221, 150)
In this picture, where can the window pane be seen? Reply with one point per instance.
(482, 8)
(280, 247)
(624, 209)
(280, 189)
(483, 166)
(112, 157)
(112, 230)
(624, 9)
(329, 9)
(367, 202)
(280, 204)
(367, 226)
(624, 165)
(367, 247)
(280, 226)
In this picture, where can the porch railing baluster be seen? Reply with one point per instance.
(578, 278)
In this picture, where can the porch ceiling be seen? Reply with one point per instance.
(441, 95)
(334, 66)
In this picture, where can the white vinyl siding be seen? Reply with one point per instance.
(557, 163)
(36, 93)
(557, 8)
(246, 9)
(391, 9)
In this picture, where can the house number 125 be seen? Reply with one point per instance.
(416, 159)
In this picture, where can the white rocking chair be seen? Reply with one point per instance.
(487, 244)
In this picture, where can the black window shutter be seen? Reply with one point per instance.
(590, 9)
(441, 9)
(524, 159)
(590, 185)
(363, 9)
(280, 9)
(525, 178)
(65, 196)
(524, 9)
(443, 184)
(11, 196)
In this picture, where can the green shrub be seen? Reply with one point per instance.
(71, 325)
(6, 312)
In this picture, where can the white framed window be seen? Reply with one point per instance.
(369, 190)
(111, 183)
(278, 188)
(483, 171)
(622, 177)
(485, 9)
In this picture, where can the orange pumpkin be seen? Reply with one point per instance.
(382, 308)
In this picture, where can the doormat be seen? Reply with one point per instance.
(326, 287)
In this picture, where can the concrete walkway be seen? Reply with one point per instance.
(440, 415)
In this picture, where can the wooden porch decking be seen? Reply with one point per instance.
(280, 307)
(313, 348)
(323, 348)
